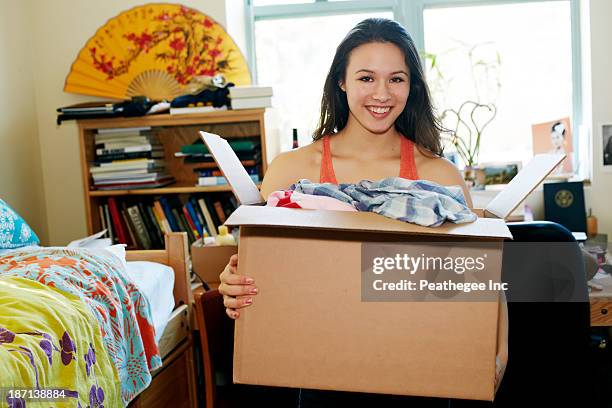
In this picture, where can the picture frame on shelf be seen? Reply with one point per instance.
(497, 173)
(606, 148)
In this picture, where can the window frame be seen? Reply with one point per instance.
(410, 14)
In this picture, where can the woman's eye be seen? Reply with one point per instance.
(366, 79)
(397, 79)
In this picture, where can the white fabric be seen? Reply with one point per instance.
(156, 282)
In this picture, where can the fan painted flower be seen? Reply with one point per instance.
(68, 348)
(6, 336)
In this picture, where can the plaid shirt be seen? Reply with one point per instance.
(417, 201)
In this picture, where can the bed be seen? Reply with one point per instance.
(124, 339)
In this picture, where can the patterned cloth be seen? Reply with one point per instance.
(291, 199)
(14, 231)
(417, 201)
(122, 312)
(50, 340)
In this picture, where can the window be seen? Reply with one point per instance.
(294, 41)
(296, 63)
(527, 47)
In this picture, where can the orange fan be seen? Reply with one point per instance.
(155, 50)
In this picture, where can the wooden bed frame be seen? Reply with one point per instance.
(173, 384)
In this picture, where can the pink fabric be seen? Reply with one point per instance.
(290, 199)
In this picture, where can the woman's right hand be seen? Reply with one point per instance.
(237, 290)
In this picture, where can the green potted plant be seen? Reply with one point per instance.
(466, 122)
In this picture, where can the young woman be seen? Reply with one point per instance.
(376, 121)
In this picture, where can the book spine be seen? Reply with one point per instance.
(219, 211)
(131, 149)
(169, 216)
(161, 217)
(198, 214)
(183, 225)
(102, 219)
(212, 212)
(194, 218)
(190, 223)
(139, 227)
(209, 222)
(121, 234)
(131, 238)
(150, 225)
(109, 224)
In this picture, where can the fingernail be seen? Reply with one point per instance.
(249, 280)
(248, 301)
(253, 291)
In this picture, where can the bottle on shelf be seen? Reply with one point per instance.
(224, 237)
(295, 139)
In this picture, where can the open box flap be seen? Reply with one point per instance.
(359, 221)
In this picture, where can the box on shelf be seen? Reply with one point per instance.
(209, 261)
(308, 327)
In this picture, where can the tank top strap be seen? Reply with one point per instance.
(326, 173)
(408, 168)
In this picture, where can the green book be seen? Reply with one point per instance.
(198, 147)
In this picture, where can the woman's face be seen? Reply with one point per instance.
(557, 137)
(377, 84)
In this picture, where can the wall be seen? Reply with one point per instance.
(60, 28)
(21, 183)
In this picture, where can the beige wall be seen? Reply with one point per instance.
(601, 107)
(21, 182)
(60, 29)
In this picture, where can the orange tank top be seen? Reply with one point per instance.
(408, 168)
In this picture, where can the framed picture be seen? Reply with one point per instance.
(555, 137)
(497, 173)
(606, 145)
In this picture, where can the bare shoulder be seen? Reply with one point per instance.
(289, 167)
(441, 171)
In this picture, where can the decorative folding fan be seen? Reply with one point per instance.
(155, 50)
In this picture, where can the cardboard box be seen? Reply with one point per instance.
(209, 261)
(309, 327)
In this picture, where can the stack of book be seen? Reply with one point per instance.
(197, 155)
(143, 224)
(128, 158)
(250, 97)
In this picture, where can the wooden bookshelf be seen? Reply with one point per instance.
(173, 132)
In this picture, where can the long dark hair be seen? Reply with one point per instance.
(417, 121)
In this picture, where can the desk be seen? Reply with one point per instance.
(601, 303)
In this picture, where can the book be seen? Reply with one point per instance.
(140, 228)
(219, 181)
(209, 220)
(88, 107)
(134, 243)
(136, 185)
(211, 210)
(154, 154)
(252, 103)
(191, 223)
(249, 91)
(194, 218)
(128, 176)
(198, 214)
(161, 217)
(147, 147)
(564, 204)
(199, 147)
(219, 211)
(126, 165)
(109, 224)
(196, 109)
(125, 141)
(116, 217)
(157, 236)
(168, 213)
(123, 131)
(102, 218)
